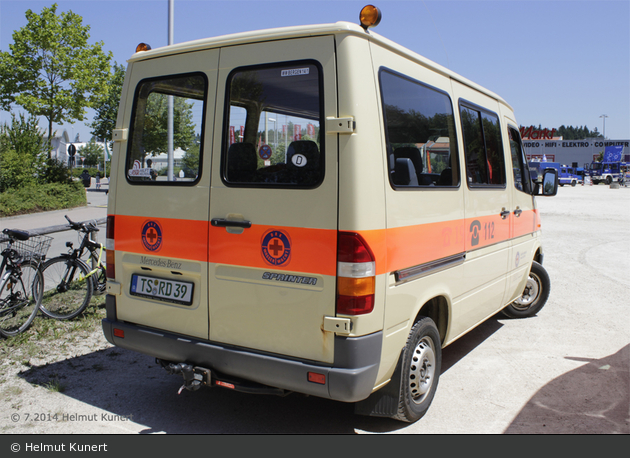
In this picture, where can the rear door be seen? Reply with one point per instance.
(273, 199)
(162, 192)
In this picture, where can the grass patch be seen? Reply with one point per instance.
(48, 337)
(55, 386)
(42, 197)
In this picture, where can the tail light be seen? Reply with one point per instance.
(356, 275)
(110, 246)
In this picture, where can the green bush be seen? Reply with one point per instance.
(42, 197)
(55, 171)
(22, 153)
(77, 171)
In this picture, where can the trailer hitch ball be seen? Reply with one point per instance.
(193, 377)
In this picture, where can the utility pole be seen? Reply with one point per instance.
(604, 116)
(170, 128)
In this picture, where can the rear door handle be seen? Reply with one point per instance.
(222, 222)
(518, 212)
(504, 213)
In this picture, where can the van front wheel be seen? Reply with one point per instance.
(421, 366)
(534, 295)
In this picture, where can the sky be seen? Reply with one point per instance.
(563, 62)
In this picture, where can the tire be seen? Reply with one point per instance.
(608, 180)
(534, 296)
(19, 300)
(66, 290)
(421, 366)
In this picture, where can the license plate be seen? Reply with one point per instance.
(179, 292)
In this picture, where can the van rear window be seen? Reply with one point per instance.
(167, 130)
(272, 136)
(421, 138)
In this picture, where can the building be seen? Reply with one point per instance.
(542, 142)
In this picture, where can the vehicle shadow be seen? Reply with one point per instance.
(592, 399)
(133, 386)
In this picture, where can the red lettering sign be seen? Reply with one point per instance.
(531, 134)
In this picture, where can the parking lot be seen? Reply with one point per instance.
(563, 371)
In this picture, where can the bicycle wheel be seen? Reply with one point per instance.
(20, 296)
(66, 290)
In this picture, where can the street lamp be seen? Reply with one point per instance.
(604, 116)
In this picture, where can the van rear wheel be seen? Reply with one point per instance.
(534, 295)
(421, 366)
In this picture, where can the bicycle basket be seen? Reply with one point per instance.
(35, 248)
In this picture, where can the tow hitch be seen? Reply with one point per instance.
(195, 377)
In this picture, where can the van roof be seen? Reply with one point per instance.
(281, 33)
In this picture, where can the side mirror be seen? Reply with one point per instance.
(549, 183)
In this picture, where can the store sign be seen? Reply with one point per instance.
(530, 133)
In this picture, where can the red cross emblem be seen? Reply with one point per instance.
(152, 235)
(276, 247)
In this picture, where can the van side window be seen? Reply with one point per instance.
(519, 162)
(159, 154)
(420, 131)
(272, 136)
(485, 164)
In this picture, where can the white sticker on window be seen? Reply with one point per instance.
(295, 72)
(299, 160)
(137, 171)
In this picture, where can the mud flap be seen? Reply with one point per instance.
(384, 402)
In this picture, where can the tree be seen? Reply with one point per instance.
(22, 153)
(155, 124)
(92, 154)
(107, 112)
(55, 73)
(6, 86)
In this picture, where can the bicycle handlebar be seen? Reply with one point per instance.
(83, 226)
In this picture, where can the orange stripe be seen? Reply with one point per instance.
(314, 251)
(526, 223)
(183, 239)
(402, 247)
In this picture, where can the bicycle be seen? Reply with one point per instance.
(21, 279)
(68, 281)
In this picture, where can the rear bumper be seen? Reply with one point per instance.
(350, 379)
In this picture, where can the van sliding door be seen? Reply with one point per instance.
(487, 209)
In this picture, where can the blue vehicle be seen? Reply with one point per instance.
(606, 172)
(566, 175)
(611, 168)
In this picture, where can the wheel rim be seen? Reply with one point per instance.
(422, 370)
(530, 294)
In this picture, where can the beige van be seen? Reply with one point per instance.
(315, 209)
